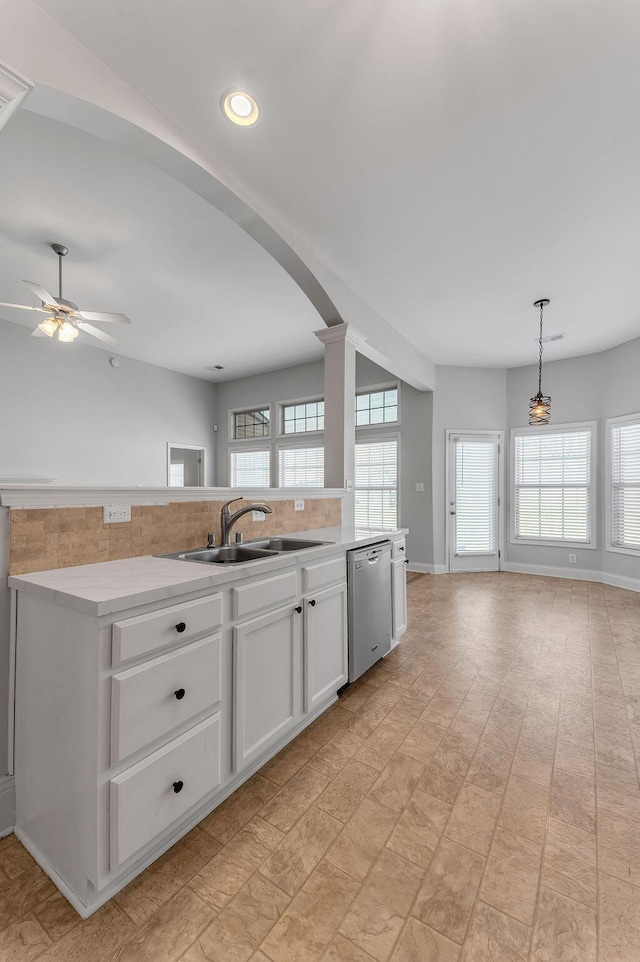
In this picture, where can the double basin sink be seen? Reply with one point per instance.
(241, 553)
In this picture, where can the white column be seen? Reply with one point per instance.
(340, 346)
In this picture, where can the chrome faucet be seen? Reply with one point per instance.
(228, 520)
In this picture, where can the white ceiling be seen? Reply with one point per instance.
(450, 160)
(199, 291)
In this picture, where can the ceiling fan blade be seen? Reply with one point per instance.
(94, 332)
(41, 294)
(104, 318)
(24, 307)
(38, 333)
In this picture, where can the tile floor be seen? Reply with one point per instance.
(474, 798)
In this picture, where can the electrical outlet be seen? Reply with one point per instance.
(257, 516)
(116, 513)
(419, 486)
(298, 504)
(573, 558)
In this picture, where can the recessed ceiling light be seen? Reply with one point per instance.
(240, 108)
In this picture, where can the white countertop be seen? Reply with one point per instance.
(113, 586)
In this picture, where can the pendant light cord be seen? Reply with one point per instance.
(540, 357)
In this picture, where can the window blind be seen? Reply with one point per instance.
(376, 484)
(553, 486)
(250, 469)
(476, 496)
(625, 485)
(301, 467)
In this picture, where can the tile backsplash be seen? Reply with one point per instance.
(45, 538)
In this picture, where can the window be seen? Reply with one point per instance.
(176, 474)
(376, 483)
(298, 418)
(251, 424)
(301, 467)
(553, 485)
(625, 483)
(476, 496)
(377, 407)
(250, 469)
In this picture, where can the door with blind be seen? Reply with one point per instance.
(473, 501)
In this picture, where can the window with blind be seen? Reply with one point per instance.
(250, 469)
(476, 521)
(301, 467)
(376, 483)
(625, 483)
(553, 485)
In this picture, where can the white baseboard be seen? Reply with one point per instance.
(7, 805)
(426, 569)
(575, 574)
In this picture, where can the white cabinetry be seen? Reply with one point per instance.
(398, 591)
(326, 657)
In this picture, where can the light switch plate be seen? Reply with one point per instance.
(419, 486)
(298, 504)
(116, 513)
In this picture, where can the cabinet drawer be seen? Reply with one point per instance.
(146, 633)
(144, 801)
(147, 701)
(248, 599)
(324, 573)
(398, 549)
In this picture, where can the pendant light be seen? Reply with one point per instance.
(540, 405)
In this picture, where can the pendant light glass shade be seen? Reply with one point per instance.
(540, 404)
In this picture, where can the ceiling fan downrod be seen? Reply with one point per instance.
(61, 251)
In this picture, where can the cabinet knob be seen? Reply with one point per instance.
(298, 608)
(180, 693)
(180, 627)
(178, 786)
(312, 602)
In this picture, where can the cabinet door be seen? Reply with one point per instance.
(267, 673)
(398, 598)
(326, 658)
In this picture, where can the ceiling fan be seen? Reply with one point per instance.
(65, 319)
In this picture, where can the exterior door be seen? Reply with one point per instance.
(473, 501)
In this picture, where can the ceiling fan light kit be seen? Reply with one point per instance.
(540, 404)
(65, 319)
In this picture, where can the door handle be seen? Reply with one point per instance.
(452, 512)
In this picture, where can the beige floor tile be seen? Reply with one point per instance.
(448, 892)
(525, 809)
(418, 943)
(238, 810)
(240, 928)
(56, 916)
(95, 938)
(419, 828)
(422, 741)
(290, 760)
(619, 847)
(494, 937)
(473, 819)
(346, 791)
(569, 865)
(443, 708)
(510, 881)
(362, 838)
(463, 735)
(397, 783)
(227, 872)
(292, 801)
(445, 775)
(565, 930)
(503, 731)
(619, 920)
(575, 757)
(380, 747)
(311, 921)
(533, 761)
(573, 800)
(377, 914)
(618, 803)
(490, 768)
(341, 950)
(20, 896)
(300, 851)
(167, 933)
(23, 941)
(334, 755)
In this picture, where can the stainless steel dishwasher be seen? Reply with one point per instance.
(369, 581)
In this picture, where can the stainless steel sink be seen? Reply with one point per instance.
(225, 555)
(286, 544)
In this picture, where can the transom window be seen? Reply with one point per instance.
(299, 418)
(251, 424)
(625, 483)
(377, 407)
(553, 485)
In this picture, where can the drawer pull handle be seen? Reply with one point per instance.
(180, 693)
(298, 608)
(312, 602)
(178, 786)
(180, 627)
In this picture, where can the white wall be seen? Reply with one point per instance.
(67, 414)
(307, 380)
